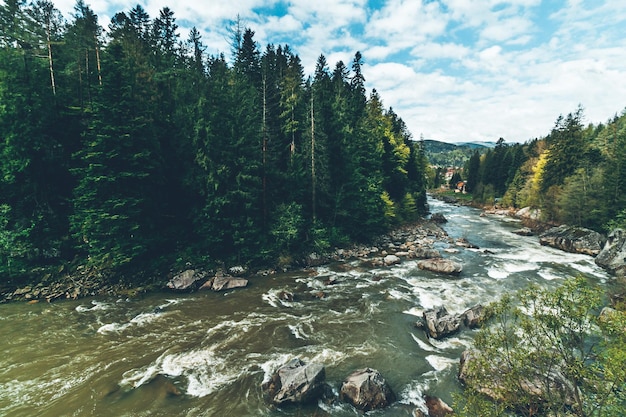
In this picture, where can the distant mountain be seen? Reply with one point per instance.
(475, 145)
(447, 154)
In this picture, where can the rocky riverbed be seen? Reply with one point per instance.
(413, 241)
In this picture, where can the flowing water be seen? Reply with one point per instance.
(131, 357)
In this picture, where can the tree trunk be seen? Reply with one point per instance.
(50, 63)
(313, 178)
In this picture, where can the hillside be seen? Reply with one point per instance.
(446, 154)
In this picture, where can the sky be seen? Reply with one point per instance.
(453, 70)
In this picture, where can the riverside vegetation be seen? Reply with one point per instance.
(130, 154)
(134, 153)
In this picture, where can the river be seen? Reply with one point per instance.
(125, 357)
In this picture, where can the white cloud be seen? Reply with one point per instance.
(452, 69)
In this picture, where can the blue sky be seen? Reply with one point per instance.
(454, 70)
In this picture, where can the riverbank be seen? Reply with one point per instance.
(405, 242)
(122, 356)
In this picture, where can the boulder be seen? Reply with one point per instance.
(438, 218)
(440, 265)
(296, 383)
(612, 257)
(473, 317)
(391, 260)
(366, 390)
(573, 239)
(187, 280)
(439, 323)
(426, 253)
(223, 283)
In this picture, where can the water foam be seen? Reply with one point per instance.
(96, 306)
(423, 345)
(440, 363)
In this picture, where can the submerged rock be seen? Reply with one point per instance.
(366, 389)
(573, 239)
(297, 383)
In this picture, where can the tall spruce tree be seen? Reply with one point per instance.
(118, 198)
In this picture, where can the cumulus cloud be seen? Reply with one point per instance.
(452, 69)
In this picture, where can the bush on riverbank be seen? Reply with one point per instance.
(552, 354)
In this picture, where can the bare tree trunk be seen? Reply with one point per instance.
(88, 77)
(264, 146)
(50, 63)
(98, 61)
(313, 178)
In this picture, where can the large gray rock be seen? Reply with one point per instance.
(613, 256)
(391, 260)
(223, 283)
(473, 317)
(573, 239)
(441, 265)
(187, 280)
(439, 323)
(524, 231)
(438, 218)
(296, 383)
(366, 389)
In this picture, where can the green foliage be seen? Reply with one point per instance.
(619, 222)
(550, 353)
(287, 229)
(581, 201)
(136, 150)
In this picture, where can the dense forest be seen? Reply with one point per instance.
(573, 175)
(129, 146)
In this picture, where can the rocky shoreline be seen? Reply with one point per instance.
(413, 241)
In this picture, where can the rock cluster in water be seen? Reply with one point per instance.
(191, 279)
(438, 323)
(299, 383)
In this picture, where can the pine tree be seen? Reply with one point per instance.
(118, 195)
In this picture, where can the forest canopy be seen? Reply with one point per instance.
(573, 175)
(128, 145)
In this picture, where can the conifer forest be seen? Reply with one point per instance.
(129, 147)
